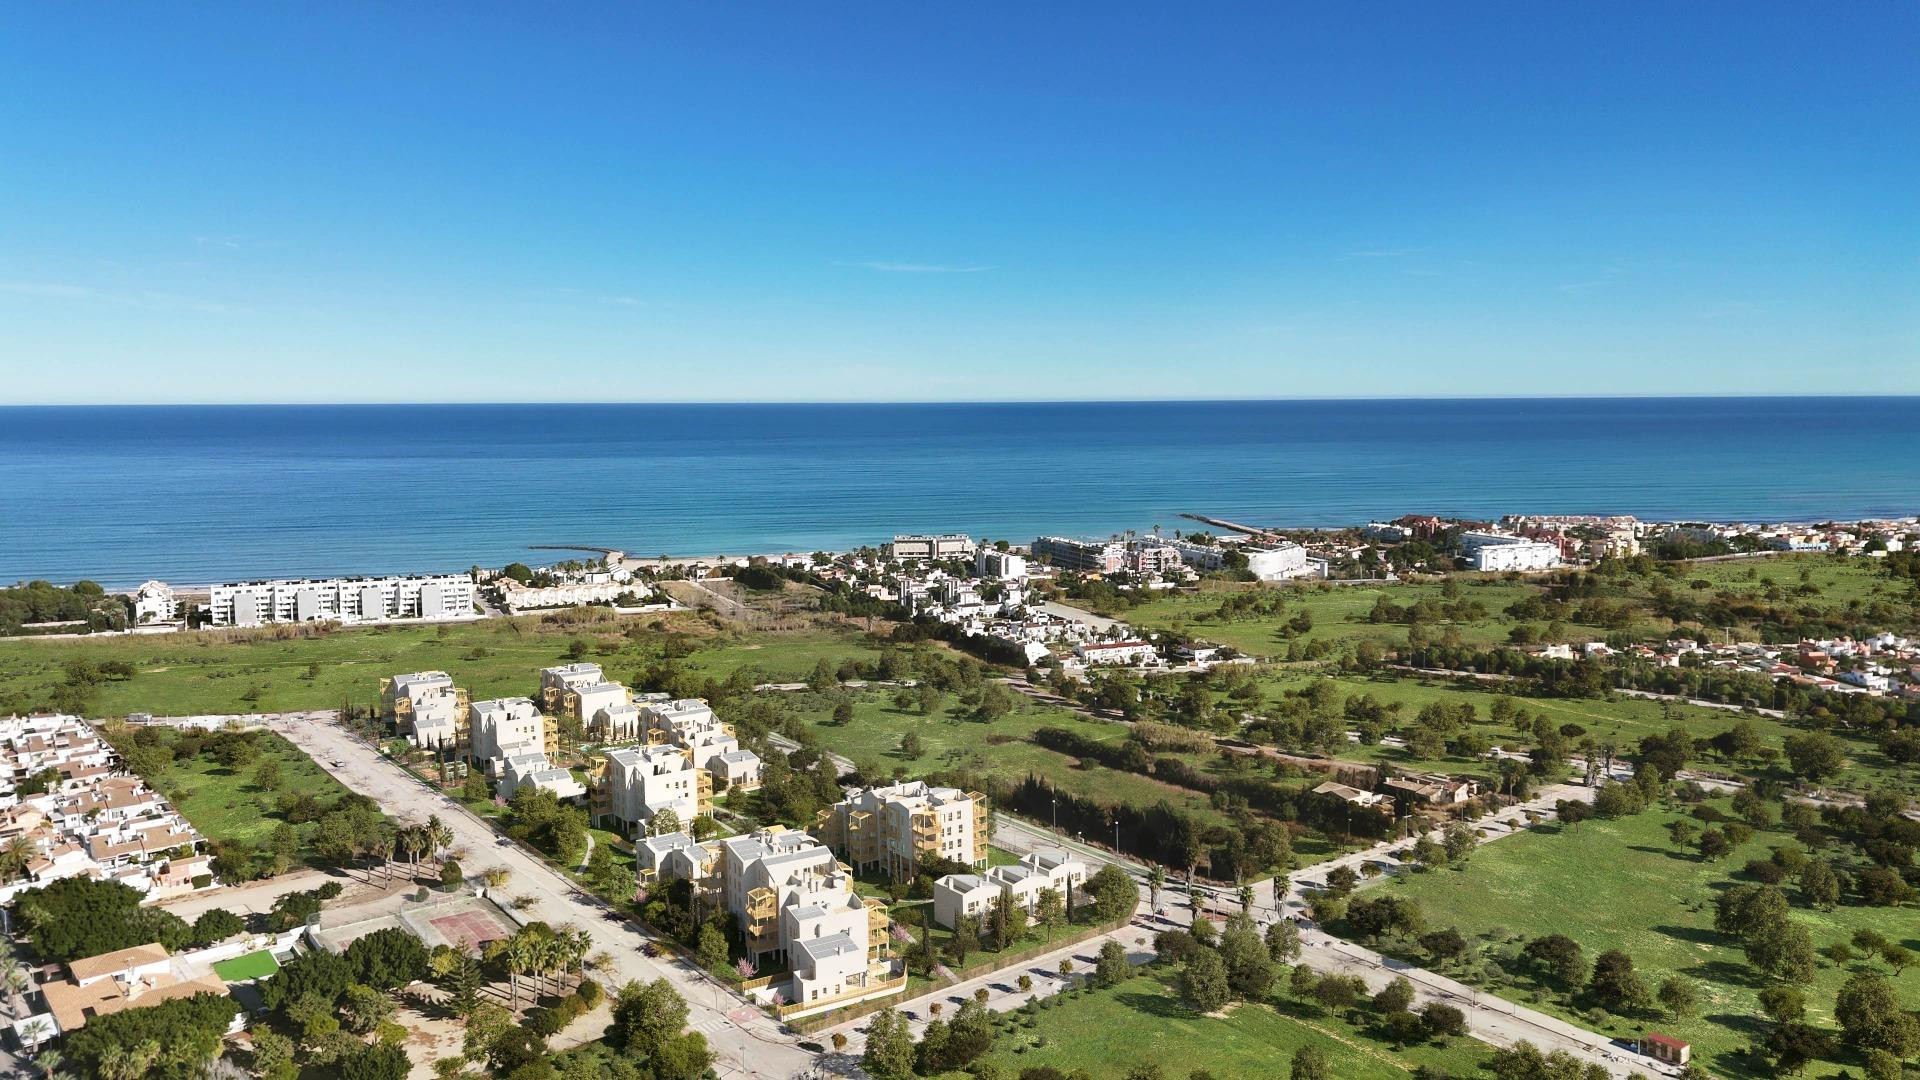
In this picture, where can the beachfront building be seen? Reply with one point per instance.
(509, 727)
(633, 785)
(344, 600)
(925, 547)
(427, 708)
(153, 602)
(689, 723)
(973, 895)
(1086, 556)
(992, 565)
(1489, 551)
(69, 809)
(898, 828)
(1266, 562)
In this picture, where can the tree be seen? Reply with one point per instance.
(1250, 972)
(1459, 842)
(965, 940)
(216, 925)
(77, 917)
(1444, 944)
(1443, 1021)
(1783, 1004)
(174, 1040)
(1714, 845)
(1050, 910)
(1112, 967)
(712, 950)
(1559, 957)
(910, 746)
(387, 959)
(1791, 1046)
(1820, 884)
(451, 876)
(1814, 756)
(1283, 941)
(1203, 982)
(1615, 986)
(1396, 996)
(646, 1016)
(1114, 893)
(1679, 996)
(889, 1053)
(1310, 1063)
(1869, 1012)
(377, 1062)
(1782, 948)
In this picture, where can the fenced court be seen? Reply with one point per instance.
(463, 922)
(253, 965)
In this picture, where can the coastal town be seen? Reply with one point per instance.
(756, 850)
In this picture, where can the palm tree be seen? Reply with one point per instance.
(520, 960)
(439, 834)
(14, 857)
(412, 839)
(1156, 880)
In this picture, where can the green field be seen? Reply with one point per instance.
(1141, 1021)
(253, 965)
(240, 671)
(1622, 884)
(226, 804)
(953, 741)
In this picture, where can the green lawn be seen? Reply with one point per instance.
(225, 804)
(253, 965)
(1622, 884)
(1141, 1021)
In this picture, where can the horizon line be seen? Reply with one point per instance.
(955, 401)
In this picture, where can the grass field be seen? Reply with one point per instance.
(998, 748)
(225, 804)
(1622, 884)
(217, 672)
(253, 965)
(1339, 613)
(1141, 1021)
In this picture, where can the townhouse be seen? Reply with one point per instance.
(632, 785)
(973, 895)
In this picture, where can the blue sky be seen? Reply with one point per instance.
(940, 202)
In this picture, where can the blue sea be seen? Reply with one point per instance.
(195, 494)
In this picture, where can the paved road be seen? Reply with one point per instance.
(748, 1042)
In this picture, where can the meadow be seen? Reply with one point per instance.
(1622, 884)
(1142, 1022)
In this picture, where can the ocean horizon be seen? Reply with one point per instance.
(201, 493)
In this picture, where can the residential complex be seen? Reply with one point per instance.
(1086, 556)
(897, 829)
(65, 800)
(345, 600)
(973, 895)
(1491, 551)
(428, 709)
(709, 742)
(795, 904)
(634, 784)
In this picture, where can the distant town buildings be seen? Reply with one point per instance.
(1490, 551)
(1084, 556)
(154, 603)
(344, 600)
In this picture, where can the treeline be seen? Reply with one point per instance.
(44, 602)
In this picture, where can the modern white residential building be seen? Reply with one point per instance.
(1277, 563)
(559, 685)
(710, 743)
(634, 784)
(534, 770)
(921, 547)
(897, 828)
(794, 900)
(345, 600)
(508, 727)
(1500, 552)
(1118, 653)
(995, 565)
(973, 895)
(153, 602)
(427, 708)
(1087, 556)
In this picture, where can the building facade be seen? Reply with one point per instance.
(896, 829)
(923, 547)
(1085, 556)
(344, 600)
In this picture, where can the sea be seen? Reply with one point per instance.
(199, 494)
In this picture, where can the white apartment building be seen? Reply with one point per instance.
(559, 684)
(345, 600)
(505, 728)
(534, 770)
(1119, 653)
(689, 723)
(427, 708)
(957, 895)
(1500, 552)
(1087, 556)
(994, 565)
(897, 828)
(1274, 562)
(794, 900)
(922, 547)
(153, 602)
(636, 783)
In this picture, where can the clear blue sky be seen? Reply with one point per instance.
(361, 202)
